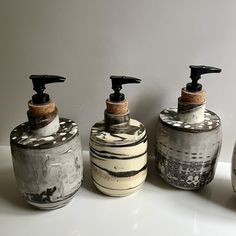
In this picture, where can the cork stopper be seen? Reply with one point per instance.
(117, 107)
(41, 109)
(193, 97)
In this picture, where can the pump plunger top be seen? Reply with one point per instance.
(39, 82)
(117, 82)
(196, 72)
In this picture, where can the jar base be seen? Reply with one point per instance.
(182, 187)
(116, 192)
(53, 205)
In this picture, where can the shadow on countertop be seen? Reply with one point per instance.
(219, 192)
(10, 194)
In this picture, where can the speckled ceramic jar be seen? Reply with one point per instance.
(233, 169)
(48, 169)
(186, 153)
(118, 154)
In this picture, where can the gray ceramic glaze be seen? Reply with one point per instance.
(233, 172)
(118, 154)
(48, 169)
(186, 154)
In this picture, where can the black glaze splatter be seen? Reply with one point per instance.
(44, 197)
(169, 117)
(35, 198)
(23, 129)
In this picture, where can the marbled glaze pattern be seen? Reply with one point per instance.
(48, 169)
(191, 113)
(118, 160)
(186, 154)
(170, 117)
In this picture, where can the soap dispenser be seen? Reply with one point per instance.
(233, 169)
(118, 146)
(189, 137)
(46, 151)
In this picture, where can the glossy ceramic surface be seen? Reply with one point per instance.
(118, 159)
(233, 169)
(186, 154)
(48, 169)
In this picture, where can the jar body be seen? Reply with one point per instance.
(233, 169)
(186, 155)
(118, 160)
(48, 170)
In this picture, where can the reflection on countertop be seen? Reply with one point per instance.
(156, 209)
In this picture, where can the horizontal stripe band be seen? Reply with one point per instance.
(122, 174)
(142, 140)
(111, 156)
(116, 188)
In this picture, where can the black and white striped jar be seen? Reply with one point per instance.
(118, 154)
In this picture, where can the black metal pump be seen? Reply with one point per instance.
(39, 82)
(117, 82)
(196, 72)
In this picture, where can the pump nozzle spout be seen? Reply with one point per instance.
(195, 75)
(39, 82)
(117, 82)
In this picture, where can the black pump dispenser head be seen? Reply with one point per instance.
(196, 72)
(117, 82)
(39, 82)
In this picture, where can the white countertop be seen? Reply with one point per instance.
(156, 209)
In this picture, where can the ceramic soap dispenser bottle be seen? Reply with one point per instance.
(233, 169)
(118, 146)
(46, 151)
(189, 138)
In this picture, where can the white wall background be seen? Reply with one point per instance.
(87, 41)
